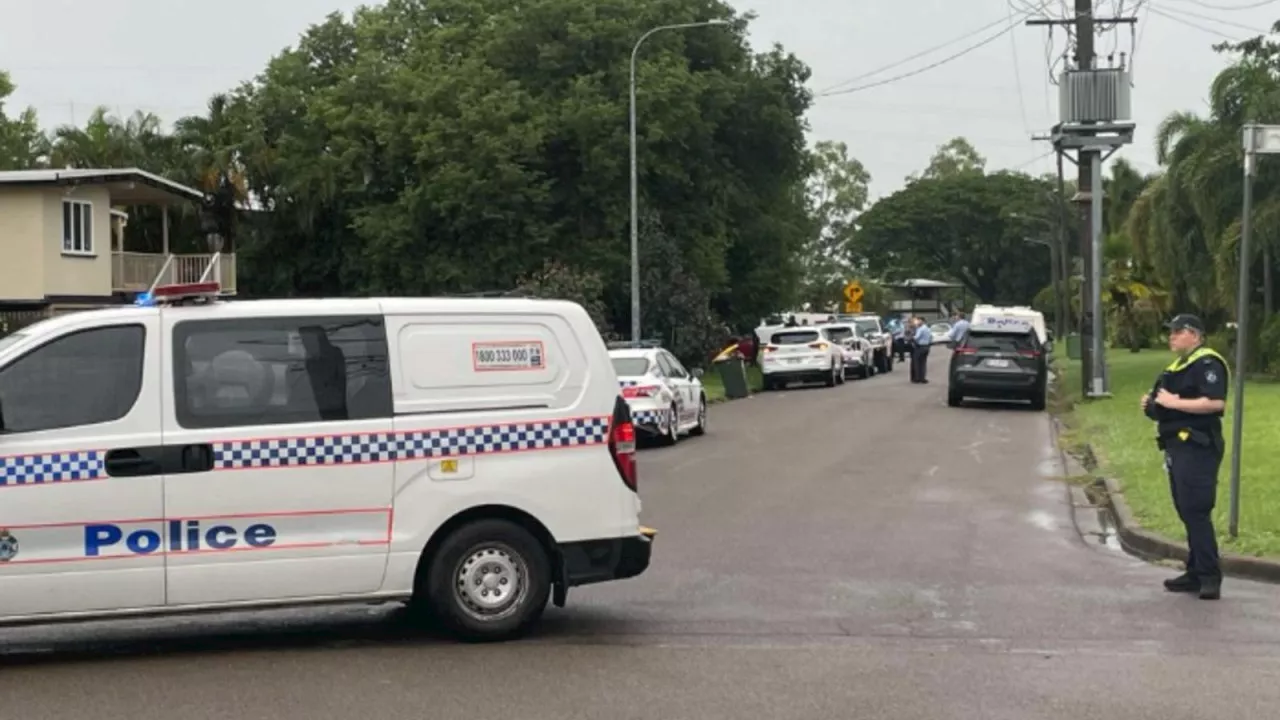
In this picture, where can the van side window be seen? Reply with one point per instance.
(83, 378)
(278, 371)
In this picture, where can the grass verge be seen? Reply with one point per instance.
(715, 388)
(1123, 441)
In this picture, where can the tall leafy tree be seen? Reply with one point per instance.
(22, 145)
(837, 194)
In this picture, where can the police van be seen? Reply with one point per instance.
(472, 457)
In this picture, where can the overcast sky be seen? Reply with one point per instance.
(169, 56)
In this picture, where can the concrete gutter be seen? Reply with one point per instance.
(1151, 546)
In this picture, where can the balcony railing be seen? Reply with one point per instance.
(137, 272)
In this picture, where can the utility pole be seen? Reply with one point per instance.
(1094, 110)
(1090, 325)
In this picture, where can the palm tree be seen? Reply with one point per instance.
(213, 160)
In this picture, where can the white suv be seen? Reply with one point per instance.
(801, 354)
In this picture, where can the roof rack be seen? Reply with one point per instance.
(495, 294)
(634, 344)
(179, 294)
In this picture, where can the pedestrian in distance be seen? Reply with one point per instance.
(959, 326)
(921, 339)
(1187, 403)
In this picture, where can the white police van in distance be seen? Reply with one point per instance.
(472, 456)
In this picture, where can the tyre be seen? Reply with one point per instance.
(489, 581)
(954, 398)
(840, 376)
(672, 435)
(1038, 400)
(831, 376)
(701, 427)
(888, 363)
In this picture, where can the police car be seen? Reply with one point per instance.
(471, 457)
(666, 399)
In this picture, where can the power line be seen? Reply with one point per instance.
(1017, 73)
(1229, 8)
(909, 58)
(1208, 18)
(1190, 24)
(926, 68)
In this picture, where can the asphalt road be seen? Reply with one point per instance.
(862, 551)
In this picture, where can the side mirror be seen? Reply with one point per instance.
(697, 372)
(1048, 346)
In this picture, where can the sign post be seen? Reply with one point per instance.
(853, 297)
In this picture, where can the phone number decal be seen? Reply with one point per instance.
(497, 356)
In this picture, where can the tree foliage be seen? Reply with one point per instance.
(455, 146)
(837, 195)
(967, 226)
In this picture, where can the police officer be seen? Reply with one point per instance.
(1187, 404)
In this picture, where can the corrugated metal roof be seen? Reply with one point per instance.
(70, 176)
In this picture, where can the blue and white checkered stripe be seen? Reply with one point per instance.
(415, 445)
(656, 418)
(51, 468)
(314, 450)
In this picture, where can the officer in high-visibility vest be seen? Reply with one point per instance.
(1187, 403)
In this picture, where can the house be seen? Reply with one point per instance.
(62, 240)
(923, 297)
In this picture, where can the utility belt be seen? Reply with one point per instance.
(1190, 435)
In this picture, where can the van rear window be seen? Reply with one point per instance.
(795, 337)
(1001, 342)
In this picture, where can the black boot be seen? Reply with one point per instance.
(1210, 588)
(1186, 582)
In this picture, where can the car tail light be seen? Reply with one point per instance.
(638, 392)
(622, 444)
(769, 348)
(1029, 353)
(818, 346)
(966, 350)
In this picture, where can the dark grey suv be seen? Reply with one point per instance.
(999, 366)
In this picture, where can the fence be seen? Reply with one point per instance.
(15, 320)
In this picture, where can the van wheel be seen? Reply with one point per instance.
(701, 427)
(489, 581)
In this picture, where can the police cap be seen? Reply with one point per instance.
(1185, 321)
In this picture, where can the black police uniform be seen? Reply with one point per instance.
(1193, 447)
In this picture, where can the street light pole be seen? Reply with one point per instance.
(635, 211)
(1257, 140)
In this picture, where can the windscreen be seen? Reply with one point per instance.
(795, 337)
(1001, 342)
(839, 334)
(630, 366)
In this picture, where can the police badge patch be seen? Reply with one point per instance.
(8, 546)
(1211, 376)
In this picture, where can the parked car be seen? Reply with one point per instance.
(800, 354)
(666, 399)
(858, 355)
(869, 329)
(941, 332)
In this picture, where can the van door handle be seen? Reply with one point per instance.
(197, 458)
(132, 462)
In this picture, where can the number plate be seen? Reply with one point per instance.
(997, 362)
(499, 356)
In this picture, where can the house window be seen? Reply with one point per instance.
(77, 227)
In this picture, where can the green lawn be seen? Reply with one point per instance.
(1123, 439)
(715, 389)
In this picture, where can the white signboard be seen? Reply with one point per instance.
(508, 356)
(1009, 324)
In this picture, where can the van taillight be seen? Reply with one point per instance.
(966, 350)
(622, 444)
(639, 392)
